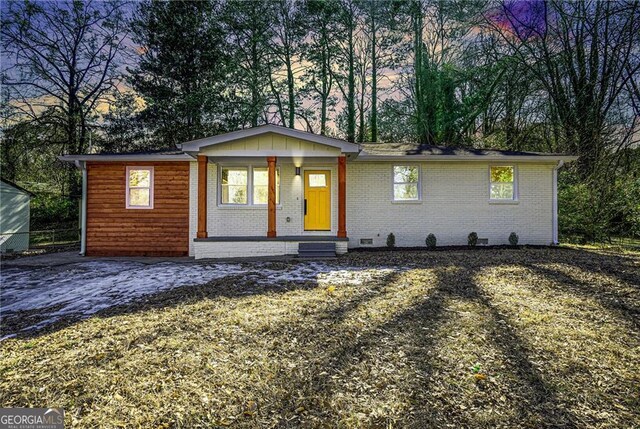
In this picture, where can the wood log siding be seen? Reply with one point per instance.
(114, 230)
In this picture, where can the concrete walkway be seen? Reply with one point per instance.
(52, 260)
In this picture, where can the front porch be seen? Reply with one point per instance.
(264, 196)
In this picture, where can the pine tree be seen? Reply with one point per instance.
(182, 68)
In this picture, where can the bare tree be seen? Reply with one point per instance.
(288, 34)
(581, 52)
(62, 56)
(63, 59)
(320, 51)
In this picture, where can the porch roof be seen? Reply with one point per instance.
(193, 147)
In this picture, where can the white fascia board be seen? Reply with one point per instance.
(196, 145)
(465, 158)
(115, 158)
(266, 153)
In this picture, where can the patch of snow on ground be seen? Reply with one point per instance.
(82, 289)
(323, 273)
(85, 288)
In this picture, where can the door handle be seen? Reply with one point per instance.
(305, 206)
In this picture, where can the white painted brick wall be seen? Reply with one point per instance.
(243, 249)
(252, 220)
(342, 247)
(213, 249)
(455, 202)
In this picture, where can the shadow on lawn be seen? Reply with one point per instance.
(236, 286)
(614, 300)
(535, 400)
(624, 269)
(428, 314)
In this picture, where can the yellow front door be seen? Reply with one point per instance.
(317, 200)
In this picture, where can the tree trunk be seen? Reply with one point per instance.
(374, 75)
(509, 116)
(325, 87)
(418, 65)
(351, 98)
(363, 90)
(291, 88)
(255, 97)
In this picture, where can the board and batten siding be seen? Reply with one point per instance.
(455, 202)
(114, 230)
(271, 144)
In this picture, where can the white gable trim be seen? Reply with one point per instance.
(196, 145)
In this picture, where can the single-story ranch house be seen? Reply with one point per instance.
(272, 190)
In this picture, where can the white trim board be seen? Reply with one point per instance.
(196, 145)
(150, 169)
(126, 157)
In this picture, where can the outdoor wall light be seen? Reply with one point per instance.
(297, 171)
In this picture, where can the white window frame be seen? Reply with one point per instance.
(278, 174)
(151, 186)
(249, 169)
(393, 183)
(515, 198)
(244, 167)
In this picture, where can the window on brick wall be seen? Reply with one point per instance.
(234, 182)
(246, 186)
(261, 186)
(406, 183)
(139, 188)
(503, 185)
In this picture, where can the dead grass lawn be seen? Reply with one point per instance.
(488, 338)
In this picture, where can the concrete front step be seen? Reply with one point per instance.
(317, 250)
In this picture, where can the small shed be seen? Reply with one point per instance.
(14, 217)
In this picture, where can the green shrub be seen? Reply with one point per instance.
(513, 239)
(472, 239)
(598, 208)
(431, 241)
(51, 211)
(391, 240)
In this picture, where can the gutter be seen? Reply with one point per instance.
(465, 158)
(123, 157)
(83, 208)
(555, 240)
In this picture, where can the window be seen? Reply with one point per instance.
(246, 186)
(503, 182)
(317, 180)
(261, 186)
(139, 187)
(234, 186)
(406, 183)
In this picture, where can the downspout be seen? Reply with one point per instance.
(83, 210)
(555, 202)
